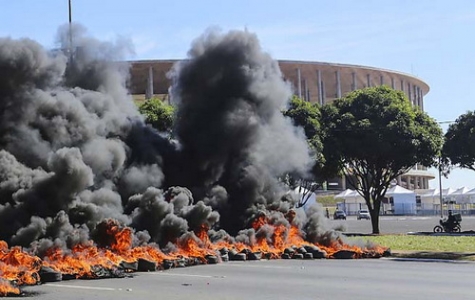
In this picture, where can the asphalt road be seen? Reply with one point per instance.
(399, 224)
(281, 279)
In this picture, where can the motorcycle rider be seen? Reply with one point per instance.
(451, 222)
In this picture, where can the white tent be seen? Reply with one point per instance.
(447, 192)
(353, 197)
(433, 197)
(305, 196)
(460, 195)
(470, 196)
(343, 194)
(430, 194)
(404, 200)
(352, 201)
(430, 199)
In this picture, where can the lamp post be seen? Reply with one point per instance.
(441, 198)
(70, 31)
(440, 188)
(69, 6)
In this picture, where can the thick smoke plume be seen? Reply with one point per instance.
(74, 151)
(230, 95)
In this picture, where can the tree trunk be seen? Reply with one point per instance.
(375, 216)
(375, 221)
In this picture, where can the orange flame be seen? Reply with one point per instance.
(122, 241)
(259, 222)
(81, 260)
(16, 266)
(6, 289)
(21, 268)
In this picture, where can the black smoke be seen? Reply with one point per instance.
(65, 121)
(229, 95)
(75, 152)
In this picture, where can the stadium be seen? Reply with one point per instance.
(318, 82)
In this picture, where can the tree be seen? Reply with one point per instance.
(459, 146)
(158, 114)
(307, 115)
(375, 135)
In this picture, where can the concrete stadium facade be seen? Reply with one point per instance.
(319, 82)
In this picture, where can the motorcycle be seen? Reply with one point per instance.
(445, 226)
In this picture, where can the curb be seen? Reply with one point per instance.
(430, 260)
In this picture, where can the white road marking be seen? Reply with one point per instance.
(82, 287)
(180, 275)
(260, 266)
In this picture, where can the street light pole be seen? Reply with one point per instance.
(440, 188)
(70, 19)
(441, 198)
(70, 31)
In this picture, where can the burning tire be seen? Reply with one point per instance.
(316, 252)
(69, 277)
(289, 250)
(166, 264)
(238, 256)
(344, 254)
(129, 266)
(211, 259)
(225, 257)
(254, 256)
(49, 275)
(147, 265)
(181, 263)
(308, 256)
(387, 252)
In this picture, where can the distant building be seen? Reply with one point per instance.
(313, 81)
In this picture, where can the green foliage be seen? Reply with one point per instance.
(459, 146)
(328, 200)
(307, 115)
(158, 114)
(423, 243)
(374, 135)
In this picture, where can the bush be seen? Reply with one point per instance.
(158, 114)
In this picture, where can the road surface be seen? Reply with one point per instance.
(399, 224)
(281, 279)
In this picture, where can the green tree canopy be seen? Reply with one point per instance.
(307, 115)
(459, 146)
(158, 114)
(374, 135)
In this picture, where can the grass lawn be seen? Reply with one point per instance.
(417, 246)
(328, 200)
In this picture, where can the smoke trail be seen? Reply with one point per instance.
(65, 121)
(75, 152)
(229, 123)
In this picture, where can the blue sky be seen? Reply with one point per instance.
(431, 39)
